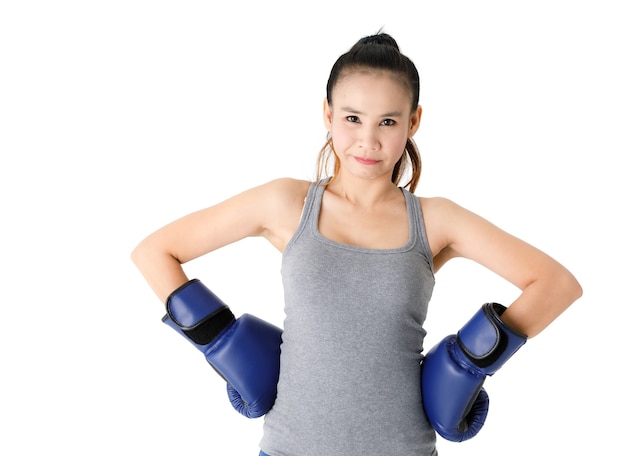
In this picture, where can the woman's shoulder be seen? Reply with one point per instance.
(289, 183)
(286, 189)
(281, 201)
(440, 214)
(436, 206)
(444, 215)
(279, 197)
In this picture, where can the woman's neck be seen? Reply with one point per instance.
(363, 192)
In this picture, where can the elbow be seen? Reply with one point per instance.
(149, 253)
(562, 287)
(565, 291)
(573, 288)
(136, 256)
(140, 255)
(559, 293)
(133, 256)
(579, 291)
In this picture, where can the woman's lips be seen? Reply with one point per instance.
(366, 161)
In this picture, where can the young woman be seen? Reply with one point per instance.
(360, 251)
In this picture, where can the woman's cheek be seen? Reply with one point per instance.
(340, 139)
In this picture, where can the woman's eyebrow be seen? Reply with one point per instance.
(349, 109)
(354, 111)
(392, 114)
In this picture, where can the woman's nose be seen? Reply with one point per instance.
(368, 139)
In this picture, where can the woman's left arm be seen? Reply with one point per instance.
(548, 288)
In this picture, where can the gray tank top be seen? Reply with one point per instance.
(352, 345)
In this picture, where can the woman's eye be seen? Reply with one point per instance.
(352, 118)
(388, 122)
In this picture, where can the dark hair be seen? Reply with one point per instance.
(380, 52)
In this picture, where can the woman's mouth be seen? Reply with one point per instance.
(366, 161)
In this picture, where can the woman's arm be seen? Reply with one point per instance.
(548, 288)
(270, 210)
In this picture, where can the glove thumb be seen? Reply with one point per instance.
(240, 405)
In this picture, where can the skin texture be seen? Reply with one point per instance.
(370, 121)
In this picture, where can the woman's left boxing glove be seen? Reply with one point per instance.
(453, 372)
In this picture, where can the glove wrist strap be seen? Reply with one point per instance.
(199, 313)
(486, 341)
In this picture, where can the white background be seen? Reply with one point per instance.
(117, 117)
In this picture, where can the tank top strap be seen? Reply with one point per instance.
(415, 211)
(312, 203)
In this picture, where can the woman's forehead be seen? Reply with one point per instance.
(372, 87)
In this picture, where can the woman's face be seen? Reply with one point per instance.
(370, 121)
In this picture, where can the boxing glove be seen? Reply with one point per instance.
(245, 352)
(453, 372)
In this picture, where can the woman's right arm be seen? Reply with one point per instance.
(261, 211)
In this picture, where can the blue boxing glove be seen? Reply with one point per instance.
(245, 351)
(453, 372)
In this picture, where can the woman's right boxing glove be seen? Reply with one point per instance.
(245, 351)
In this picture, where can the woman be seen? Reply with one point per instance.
(360, 251)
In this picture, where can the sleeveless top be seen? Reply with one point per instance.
(352, 344)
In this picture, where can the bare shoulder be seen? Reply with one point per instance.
(283, 201)
(438, 213)
(282, 194)
(438, 206)
(288, 188)
(450, 228)
(271, 195)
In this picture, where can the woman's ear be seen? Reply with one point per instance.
(414, 122)
(328, 115)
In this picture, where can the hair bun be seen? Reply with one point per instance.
(382, 39)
